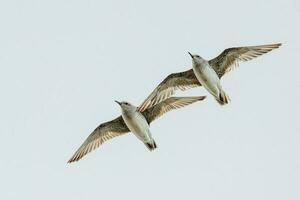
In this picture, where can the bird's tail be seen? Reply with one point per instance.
(151, 145)
(223, 98)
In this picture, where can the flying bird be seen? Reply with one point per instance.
(221, 64)
(133, 121)
(207, 77)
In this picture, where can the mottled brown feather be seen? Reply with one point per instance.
(231, 57)
(182, 81)
(161, 108)
(101, 134)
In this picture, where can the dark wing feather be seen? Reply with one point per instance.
(230, 57)
(171, 103)
(182, 80)
(102, 133)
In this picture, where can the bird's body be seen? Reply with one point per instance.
(207, 77)
(137, 124)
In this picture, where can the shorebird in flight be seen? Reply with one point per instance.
(215, 69)
(134, 121)
(207, 77)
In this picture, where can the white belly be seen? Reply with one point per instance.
(138, 125)
(208, 78)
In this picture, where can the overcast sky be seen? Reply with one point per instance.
(64, 62)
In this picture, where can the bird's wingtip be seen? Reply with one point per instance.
(71, 160)
(201, 98)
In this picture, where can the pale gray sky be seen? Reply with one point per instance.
(64, 62)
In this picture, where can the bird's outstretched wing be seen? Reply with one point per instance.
(102, 133)
(171, 103)
(182, 80)
(230, 57)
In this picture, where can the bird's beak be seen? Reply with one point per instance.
(191, 54)
(118, 102)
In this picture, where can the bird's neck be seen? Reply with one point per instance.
(200, 64)
(129, 113)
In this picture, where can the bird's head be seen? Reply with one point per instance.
(125, 106)
(196, 58)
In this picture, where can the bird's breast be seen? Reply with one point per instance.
(204, 73)
(137, 124)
